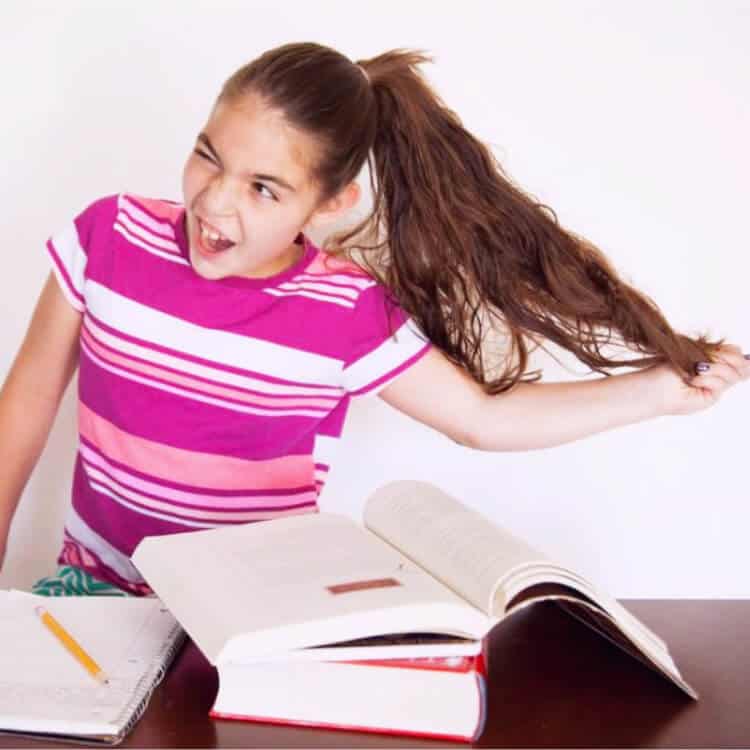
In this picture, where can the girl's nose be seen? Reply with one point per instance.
(221, 195)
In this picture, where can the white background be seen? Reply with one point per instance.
(629, 119)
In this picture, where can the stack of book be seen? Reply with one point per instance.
(313, 620)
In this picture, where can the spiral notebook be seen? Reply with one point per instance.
(45, 692)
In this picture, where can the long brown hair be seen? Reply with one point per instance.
(462, 249)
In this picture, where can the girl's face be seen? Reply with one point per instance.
(247, 180)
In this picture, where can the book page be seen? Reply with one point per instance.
(294, 582)
(459, 546)
(380, 647)
(528, 578)
(604, 624)
(42, 686)
(487, 564)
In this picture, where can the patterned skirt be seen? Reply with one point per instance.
(71, 581)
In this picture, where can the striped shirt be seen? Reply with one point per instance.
(207, 402)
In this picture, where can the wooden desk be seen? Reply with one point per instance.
(553, 683)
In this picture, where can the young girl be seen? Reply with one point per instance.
(218, 348)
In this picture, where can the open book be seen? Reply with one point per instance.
(424, 563)
(45, 691)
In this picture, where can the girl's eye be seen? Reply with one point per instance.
(206, 157)
(260, 186)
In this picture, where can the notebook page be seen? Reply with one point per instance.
(44, 689)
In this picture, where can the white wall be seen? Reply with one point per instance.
(631, 120)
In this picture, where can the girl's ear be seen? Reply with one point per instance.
(335, 207)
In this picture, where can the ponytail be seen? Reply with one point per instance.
(466, 252)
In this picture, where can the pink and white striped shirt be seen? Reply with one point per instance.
(204, 403)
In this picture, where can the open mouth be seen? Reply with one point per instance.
(212, 241)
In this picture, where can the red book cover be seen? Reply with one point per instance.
(345, 728)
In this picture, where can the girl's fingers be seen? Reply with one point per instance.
(728, 368)
(735, 356)
(732, 357)
(720, 377)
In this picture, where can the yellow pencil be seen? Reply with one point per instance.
(67, 640)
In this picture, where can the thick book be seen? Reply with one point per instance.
(439, 697)
(422, 563)
(45, 692)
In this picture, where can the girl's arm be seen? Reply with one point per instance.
(31, 394)
(541, 415)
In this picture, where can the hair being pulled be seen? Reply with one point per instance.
(462, 249)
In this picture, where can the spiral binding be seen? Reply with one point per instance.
(145, 687)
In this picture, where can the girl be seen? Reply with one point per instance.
(219, 348)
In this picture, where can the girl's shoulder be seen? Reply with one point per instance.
(108, 209)
(126, 215)
(327, 264)
(339, 276)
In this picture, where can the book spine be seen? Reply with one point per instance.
(482, 718)
(341, 727)
(483, 658)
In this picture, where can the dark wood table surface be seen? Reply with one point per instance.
(552, 683)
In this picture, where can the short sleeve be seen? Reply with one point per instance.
(385, 342)
(69, 250)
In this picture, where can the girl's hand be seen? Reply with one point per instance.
(704, 389)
